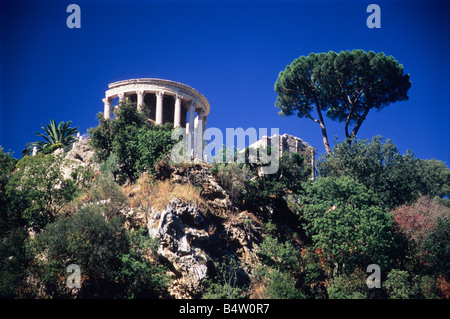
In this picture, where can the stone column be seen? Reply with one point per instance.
(140, 100)
(191, 128)
(121, 97)
(265, 142)
(199, 144)
(205, 119)
(177, 111)
(159, 107)
(280, 145)
(107, 108)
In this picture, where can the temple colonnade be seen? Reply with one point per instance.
(164, 101)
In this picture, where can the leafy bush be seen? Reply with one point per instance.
(280, 285)
(444, 287)
(137, 143)
(140, 277)
(37, 190)
(281, 256)
(277, 284)
(14, 261)
(225, 284)
(345, 223)
(314, 271)
(7, 165)
(153, 144)
(252, 190)
(437, 248)
(418, 220)
(87, 240)
(278, 272)
(113, 261)
(399, 285)
(393, 178)
(107, 195)
(13, 257)
(233, 178)
(352, 286)
(269, 189)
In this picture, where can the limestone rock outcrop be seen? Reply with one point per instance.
(195, 240)
(181, 230)
(81, 155)
(198, 174)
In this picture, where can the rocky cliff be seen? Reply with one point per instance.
(195, 237)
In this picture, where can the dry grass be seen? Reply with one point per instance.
(257, 290)
(254, 218)
(149, 193)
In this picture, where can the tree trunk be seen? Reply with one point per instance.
(347, 122)
(324, 132)
(359, 123)
(351, 107)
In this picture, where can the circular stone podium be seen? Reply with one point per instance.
(163, 101)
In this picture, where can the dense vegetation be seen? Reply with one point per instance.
(48, 220)
(369, 204)
(132, 141)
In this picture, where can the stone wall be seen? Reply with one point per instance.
(289, 144)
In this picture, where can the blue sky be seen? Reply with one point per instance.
(230, 51)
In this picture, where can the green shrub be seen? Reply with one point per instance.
(282, 286)
(106, 194)
(437, 248)
(138, 276)
(134, 140)
(87, 240)
(225, 284)
(394, 179)
(268, 189)
(279, 271)
(399, 285)
(281, 256)
(113, 262)
(352, 286)
(277, 284)
(37, 190)
(343, 220)
(233, 178)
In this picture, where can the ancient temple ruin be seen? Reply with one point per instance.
(164, 101)
(288, 144)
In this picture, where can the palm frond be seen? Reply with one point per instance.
(53, 134)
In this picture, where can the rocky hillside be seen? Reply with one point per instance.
(141, 227)
(197, 228)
